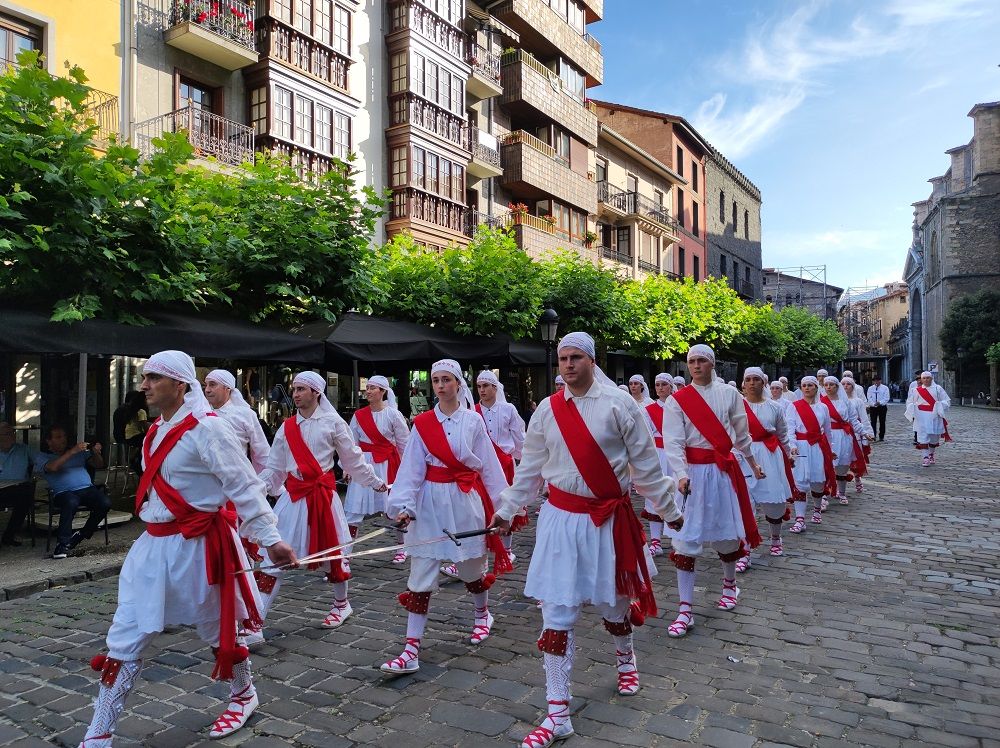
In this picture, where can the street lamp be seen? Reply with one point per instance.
(548, 326)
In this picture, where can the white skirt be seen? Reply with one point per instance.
(929, 427)
(293, 523)
(712, 511)
(440, 507)
(362, 501)
(573, 562)
(808, 467)
(163, 583)
(774, 489)
(842, 445)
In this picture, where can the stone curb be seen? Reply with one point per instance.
(26, 589)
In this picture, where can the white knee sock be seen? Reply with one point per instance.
(242, 683)
(655, 530)
(685, 585)
(482, 601)
(415, 625)
(729, 570)
(800, 509)
(841, 486)
(507, 540)
(111, 700)
(340, 594)
(558, 681)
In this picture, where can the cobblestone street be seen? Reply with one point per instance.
(877, 628)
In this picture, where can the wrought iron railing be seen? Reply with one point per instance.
(485, 147)
(410, 109)
(484, 62)
(613, 253)
(649, 267)
(281, 42)
(211, 135)
(102, 110)
(230, 19)
(633, 203)
(474, 219)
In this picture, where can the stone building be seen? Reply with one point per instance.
(870, 321)
(956, 246)
(734, 229)
(782, 289)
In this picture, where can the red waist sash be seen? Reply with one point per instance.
(627, 534)
(728, 464)
(383, 453)
(506, 462)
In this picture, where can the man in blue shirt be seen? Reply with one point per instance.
(16, 490)
(65, 469)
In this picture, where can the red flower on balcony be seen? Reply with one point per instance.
(250, 25)
(202, 17)
(237, 12)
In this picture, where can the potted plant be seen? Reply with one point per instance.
(589, 238)
(550, 220)
(518, 211)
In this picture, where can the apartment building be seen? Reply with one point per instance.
(53, 28)
(675, 143)
(289, 76)
(636, 231)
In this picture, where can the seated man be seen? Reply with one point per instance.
(65, 469)
(15, 473)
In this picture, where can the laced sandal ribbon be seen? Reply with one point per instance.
(730, 594)
(401, 664)
(680, 627)
(481, 631)
(542, 736)
(240, 708)
(628, 679)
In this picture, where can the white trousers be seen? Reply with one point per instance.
(687, 548)
(425, 572)
(564, 617)
(126, 640)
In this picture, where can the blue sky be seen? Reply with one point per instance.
(840, 111)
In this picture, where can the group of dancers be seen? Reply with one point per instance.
(702, 456)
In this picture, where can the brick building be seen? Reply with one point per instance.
(955, 249)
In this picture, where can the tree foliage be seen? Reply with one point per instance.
(810, 341)
(972, 324)
(586, 296)
(108, 234)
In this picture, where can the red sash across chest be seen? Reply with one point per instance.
(453, 471)
(655, 411)
(858, 464)
(702, 417)
(380, 448)
(222, 556)
(316, 487)
(631, 575)
(506, 460)
(814, 435)
(928, 407)
(770, 440)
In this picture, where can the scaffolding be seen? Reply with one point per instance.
(857, 323)
(802, 285)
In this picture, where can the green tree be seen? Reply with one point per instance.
(110, 235)
(586, 296)
(973, 324)
(763, 339)
(809, 340)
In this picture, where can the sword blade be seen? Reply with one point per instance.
(314, 558)
(383, 549)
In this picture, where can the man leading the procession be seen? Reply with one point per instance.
(181, 570)
(450, 473)
(588, 443)
(300, 470)
(770, 446)
(702, 425)
(926, 406)
(381, 433)
(663, 383)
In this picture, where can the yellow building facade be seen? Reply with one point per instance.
(87, 33)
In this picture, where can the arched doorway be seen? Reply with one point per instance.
(916, 331)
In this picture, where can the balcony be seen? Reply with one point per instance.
(220, 32)
(530, 89)
(613, 254)
(281, 42)
(102, 109)
(649, 267)
(744, 288)
(485, 80)
(422, 212)
(410, 109)
(485, 154)
(410, 15)
(212, 136)
(303, 160)
(617, 203)
(594, 10)
(536, 172)
(543, 29)
(475, 219)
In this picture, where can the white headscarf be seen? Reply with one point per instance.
(645, 387)
(775, 385)
(379, 381)
(756, 371)
(316, 383)
(840, 387)
(450, 366)
(926, 374)
(226, 379)
(663, 377)
(848, 374)
(808, 380)
(822, 374)
(679, 381)
(701, 350)
(560, 380)
(489, 377)
(624, 388)
(585, 343)
(731, 383)
(180, 366)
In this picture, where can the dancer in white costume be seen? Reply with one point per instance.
(847, 427)
(809, 420)
(771, 448)
(450, 473)
(857, 395)
(663, 384)
(228, 403)
(181, 570)
(926, 406)
(300, 470)
(588, 443)
(381, 432)
(639, 390)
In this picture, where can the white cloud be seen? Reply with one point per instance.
(853, 257)
(783, 60)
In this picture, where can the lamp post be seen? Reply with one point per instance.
(548, 326)
(961, 353)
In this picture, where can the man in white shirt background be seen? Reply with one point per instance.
(878, 406)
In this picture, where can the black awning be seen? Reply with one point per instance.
(204, 334)
(360, 337)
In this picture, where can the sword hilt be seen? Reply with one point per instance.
(457, 537)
